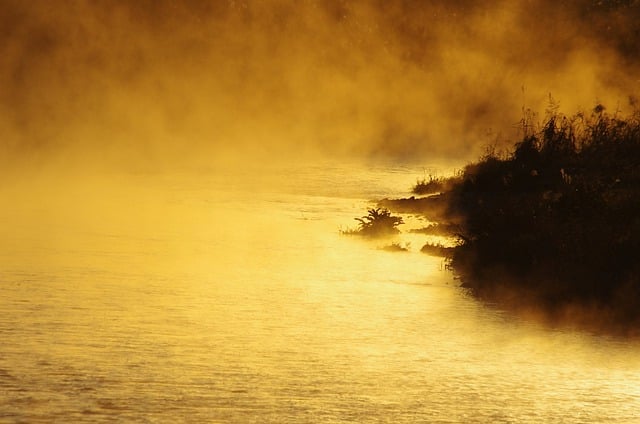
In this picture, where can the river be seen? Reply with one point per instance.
(233, 297)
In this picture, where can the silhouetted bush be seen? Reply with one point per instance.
(378, 222)
(429, 186)
(396, 247)
(437, 249)
(559, 215)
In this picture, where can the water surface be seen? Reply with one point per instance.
(222, 297)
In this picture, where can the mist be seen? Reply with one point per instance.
(179, 178)
(163, 84)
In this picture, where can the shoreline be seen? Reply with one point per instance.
(551, 226)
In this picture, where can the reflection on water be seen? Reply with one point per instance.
(182, 298)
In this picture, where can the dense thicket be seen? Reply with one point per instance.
(559, 215)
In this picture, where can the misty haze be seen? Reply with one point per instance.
(319, 211)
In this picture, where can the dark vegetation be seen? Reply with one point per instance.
(378, 222)
(437, 249)
(434, 207)
(437, 229)
(556, 221)
(396, 247)
(431, 185)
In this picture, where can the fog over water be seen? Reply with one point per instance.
(174, 176)
(184, 298)
(156, 83)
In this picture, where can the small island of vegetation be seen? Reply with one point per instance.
(378, 222)
(555, 222)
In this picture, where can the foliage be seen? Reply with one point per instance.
(378, 222)
(560, 213)
(397, 247)
(437, 249)
(431, 185)
(438, 229)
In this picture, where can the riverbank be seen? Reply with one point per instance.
(552, 224)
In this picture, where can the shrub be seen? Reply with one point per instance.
(560, 214)
(378, 222)
(429, 186)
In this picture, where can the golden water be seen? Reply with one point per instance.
(226, 298)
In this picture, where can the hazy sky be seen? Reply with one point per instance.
(163, 81)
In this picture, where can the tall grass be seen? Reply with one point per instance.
(430, 185)
(560, 213)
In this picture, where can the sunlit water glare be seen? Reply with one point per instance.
(234, 298)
